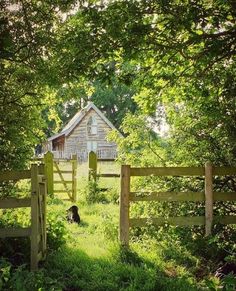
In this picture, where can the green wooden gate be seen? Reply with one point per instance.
(62, 173)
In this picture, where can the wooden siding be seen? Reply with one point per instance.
(78, 138)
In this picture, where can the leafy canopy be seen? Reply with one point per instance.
(180, 54)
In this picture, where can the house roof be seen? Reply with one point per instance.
(77, 118)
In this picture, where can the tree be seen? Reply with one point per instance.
(26, 37)
(181, 53)
(113, 98)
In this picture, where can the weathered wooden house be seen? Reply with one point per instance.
(86, 131)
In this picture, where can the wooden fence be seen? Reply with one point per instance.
(92, 166)
(37, 204)
(208, 196)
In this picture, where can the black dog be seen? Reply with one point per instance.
(73, 215)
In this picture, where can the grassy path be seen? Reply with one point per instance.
(91, 259)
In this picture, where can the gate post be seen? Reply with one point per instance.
(208, 198)
(124, 204)
(48, 161)
(74, 177)
(43, 201)
(34, 218)
(92, 166)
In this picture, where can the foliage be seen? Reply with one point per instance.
(17, 250)
(26, 33)
(112, 194)
(93, 193)
(177, 55)
(109, 227)
(114, 98)
(140, 145)
(56, 230)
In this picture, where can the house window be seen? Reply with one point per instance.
(92, 126)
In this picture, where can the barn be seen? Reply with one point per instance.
(86, 131)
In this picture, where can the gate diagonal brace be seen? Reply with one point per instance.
(63, 181)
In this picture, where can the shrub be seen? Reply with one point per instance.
(93, 193)
(112, 195)
(109, 227)
(56, 231)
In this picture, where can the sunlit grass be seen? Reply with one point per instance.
(89, 257)
(90, 236)
(94, 245)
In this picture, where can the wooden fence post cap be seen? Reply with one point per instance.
(208, 164)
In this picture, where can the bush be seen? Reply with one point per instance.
(112, 195)
(56, 231)
(17, 250)
(109, 227)
(94, 194)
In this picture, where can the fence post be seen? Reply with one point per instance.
(208, 198)
(48, 160)
(92, 166)
(34, 218)
(43, 201)
(124, 204)
(74, 177)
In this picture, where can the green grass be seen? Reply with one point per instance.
(88, 256)
(91, 258)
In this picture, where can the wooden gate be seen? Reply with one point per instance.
(37, 203)
(67, 178)
(63, 173)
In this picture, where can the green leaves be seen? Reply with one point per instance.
(27, 34)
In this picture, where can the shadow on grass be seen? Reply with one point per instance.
(124, 270)
(70, 269)
(83, 223)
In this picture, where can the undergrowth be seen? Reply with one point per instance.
(88, 256)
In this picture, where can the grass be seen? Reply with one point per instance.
(91, 258)
(88, 256)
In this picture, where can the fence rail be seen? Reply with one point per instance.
(14, 175)
(180, 196)
(37, 204)
(162, 171)
(15, 203)
(208, 196)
